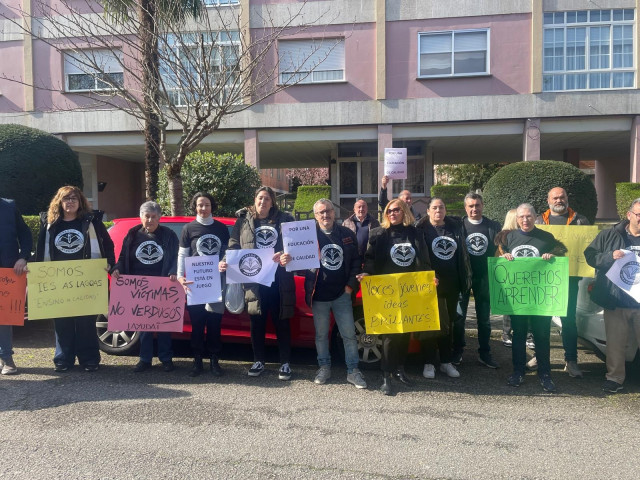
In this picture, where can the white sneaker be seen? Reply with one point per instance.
(322, 375)
(450, 370)
(356, 378)
(429, 371)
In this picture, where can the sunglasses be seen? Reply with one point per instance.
(394, 211)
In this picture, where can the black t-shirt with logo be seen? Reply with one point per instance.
(205, 240)
(402, 254)
(632, 243)
(534, 243)
(479, 245)
(146, 254)
(267, 235)
(331, 277)
(443, 252)
(68, 241)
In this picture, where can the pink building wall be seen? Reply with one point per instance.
(11, 64)
(510, 43)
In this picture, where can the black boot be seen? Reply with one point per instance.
(197, 367)
(401, 376)
(216, 371)
(385, 388)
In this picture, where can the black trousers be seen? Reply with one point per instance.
(201, 319)
(76, 337)
(443, 343)
(540, 327)
(270, 304)
(395, 347)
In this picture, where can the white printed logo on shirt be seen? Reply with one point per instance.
(403, 254)
(477, 244)
(69, 241)
(331, 256)
(208, 244)
(525, 251)
(266, 237)
(149, 252)
(444, 247)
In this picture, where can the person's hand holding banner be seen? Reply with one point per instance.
(625, 274)
(13, 289)
(203, 280)
(251, 266)
(300, 240)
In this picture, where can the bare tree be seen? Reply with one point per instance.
(207, 67)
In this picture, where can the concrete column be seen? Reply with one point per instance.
(606, 177)
(27, 58)
(537, 18)
(381, 49)
(572, 156)
(385, 140)
(252, 148)
(531, 140)
(635, 150)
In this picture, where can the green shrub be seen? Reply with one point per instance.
(308, 195)
(626, 192)
(225, 176)
(452, 196)
(530, 182)
(33, 165)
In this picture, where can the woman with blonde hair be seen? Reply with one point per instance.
(70, 230)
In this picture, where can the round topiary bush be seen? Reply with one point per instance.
(626, 192)
(33, 165)
(531, 181)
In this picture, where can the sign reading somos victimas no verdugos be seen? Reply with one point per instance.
(400, 302)
(529, 286)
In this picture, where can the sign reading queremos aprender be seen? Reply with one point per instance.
(625, 274)
(251, 266)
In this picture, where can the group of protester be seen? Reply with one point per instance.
(456, 249)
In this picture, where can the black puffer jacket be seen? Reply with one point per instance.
(243, 235)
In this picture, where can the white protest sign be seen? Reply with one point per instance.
(300, 240)
(251, 266)
(395, 163)
(625, 274)
(203, 272)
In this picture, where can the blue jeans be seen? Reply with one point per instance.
(343, 315)
(164, 346)
(6, 341)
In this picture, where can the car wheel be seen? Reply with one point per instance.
(115, 343)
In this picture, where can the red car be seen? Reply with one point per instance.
(235, 328)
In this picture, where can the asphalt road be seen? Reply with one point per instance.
(115, 424)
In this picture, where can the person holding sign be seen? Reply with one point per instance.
(621, 310)
(72, 231)
(258, 226)
(405, 196)
(150, 249)
(450, 260)
(395, 247)
(529, 241)
(559, 213)
(329, 288)
(479, 233)
(361, 223)
(203, 237)
(15, 249)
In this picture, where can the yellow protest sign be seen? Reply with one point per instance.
(576, 238)
(67, 289)
(400, 303)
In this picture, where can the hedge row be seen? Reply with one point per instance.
(626, 192)
(308, 195)
(452, 196)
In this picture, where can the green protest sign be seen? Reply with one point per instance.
(529, 286)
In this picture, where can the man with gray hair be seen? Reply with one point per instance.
(621, 311)
(405, 196)
(329, 288)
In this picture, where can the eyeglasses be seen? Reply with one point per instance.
(394, 211)
(70, 199)
(636, 214)
(522, 217)
(324, 212)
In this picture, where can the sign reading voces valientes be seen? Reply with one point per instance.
(300, 240)
(395, 163)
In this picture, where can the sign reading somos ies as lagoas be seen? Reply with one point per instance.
(400, 303)
(529, 286)
(69, 288)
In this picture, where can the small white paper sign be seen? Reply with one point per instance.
(251, 266)
(206, 286)
(300, 240)
(625, 274)
(395, 163)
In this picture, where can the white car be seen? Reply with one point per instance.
(590, 322)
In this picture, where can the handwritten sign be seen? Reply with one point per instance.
(70, 288)
(399, 303)
(251, 266)
(395, 163)
(576, 238)
(13, 289)
(529, 286)
(300, 240)
(146, 304)
(203, 272)
(625, 274)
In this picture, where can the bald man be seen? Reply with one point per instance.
(559, 213)
(405, 196)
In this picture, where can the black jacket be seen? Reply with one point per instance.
(166, 238)
(599, 254)
(350, 260)
(15, 236)
(104, 240)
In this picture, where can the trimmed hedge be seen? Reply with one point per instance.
(308, 195)
(626, 192)
(452, 196)
(33, 165)
(530, 182)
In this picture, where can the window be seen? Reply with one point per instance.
(311, 61)
(205, 63)
(588, 50)
(453, 54)
(93, 70)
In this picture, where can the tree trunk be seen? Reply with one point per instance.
(150, 82)
(176, 193)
